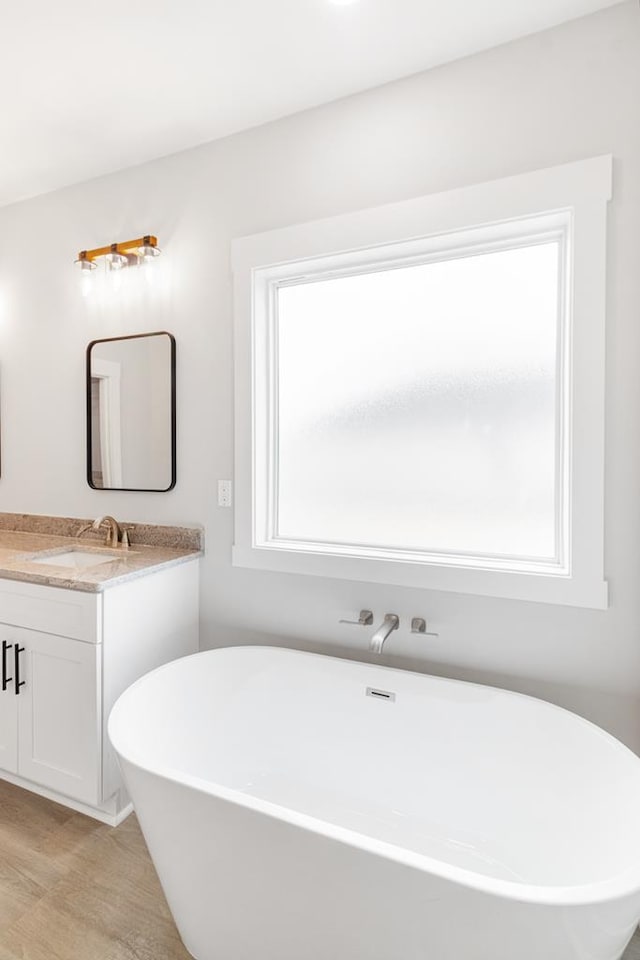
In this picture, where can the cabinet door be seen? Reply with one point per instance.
(8, 708)
(59, 718)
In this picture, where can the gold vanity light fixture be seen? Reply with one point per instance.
(142, 250)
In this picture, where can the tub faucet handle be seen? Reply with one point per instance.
(365, 619)
(419, 625)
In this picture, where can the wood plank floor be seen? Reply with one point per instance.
(74, 889)
(633, 950)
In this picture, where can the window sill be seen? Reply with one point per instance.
(583, 591)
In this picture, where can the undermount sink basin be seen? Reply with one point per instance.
(76, 559)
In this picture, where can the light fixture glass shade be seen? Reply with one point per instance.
(116, 261)
(86, 268)
(85, 265)
(147, 252)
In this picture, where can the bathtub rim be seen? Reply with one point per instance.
(623, 885)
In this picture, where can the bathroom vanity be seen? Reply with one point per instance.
(78, 624)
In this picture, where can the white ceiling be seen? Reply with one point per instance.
(88, 88)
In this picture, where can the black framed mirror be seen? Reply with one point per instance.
(131, 413)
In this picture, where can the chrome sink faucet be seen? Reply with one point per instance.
(390, 623)
(114, 533)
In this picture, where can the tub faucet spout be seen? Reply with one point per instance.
(390, 623)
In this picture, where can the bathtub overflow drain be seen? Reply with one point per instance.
(380, 694)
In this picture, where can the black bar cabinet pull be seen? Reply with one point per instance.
(18, 682)
(5, 679)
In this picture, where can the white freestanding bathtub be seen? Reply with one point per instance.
(300, 807)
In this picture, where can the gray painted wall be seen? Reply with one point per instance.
(558, 96)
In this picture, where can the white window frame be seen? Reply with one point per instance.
(568, 202)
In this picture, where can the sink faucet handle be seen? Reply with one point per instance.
(365, 619)
(126, 543)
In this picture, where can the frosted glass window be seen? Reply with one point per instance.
(417, 406)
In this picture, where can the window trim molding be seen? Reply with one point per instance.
(579, 193)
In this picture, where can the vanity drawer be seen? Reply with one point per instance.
(67, 613)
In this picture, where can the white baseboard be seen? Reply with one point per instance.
(108, 813)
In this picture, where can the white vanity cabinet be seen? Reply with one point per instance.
(8, 713)
(54, 714)
(66, 657)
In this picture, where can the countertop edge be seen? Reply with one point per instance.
(83, 586)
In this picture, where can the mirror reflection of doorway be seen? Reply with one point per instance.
(96, 447)
(131, 412)
(106, 426)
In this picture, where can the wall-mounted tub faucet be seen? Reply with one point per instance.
(390, 623)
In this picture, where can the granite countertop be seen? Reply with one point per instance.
(114, 565)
